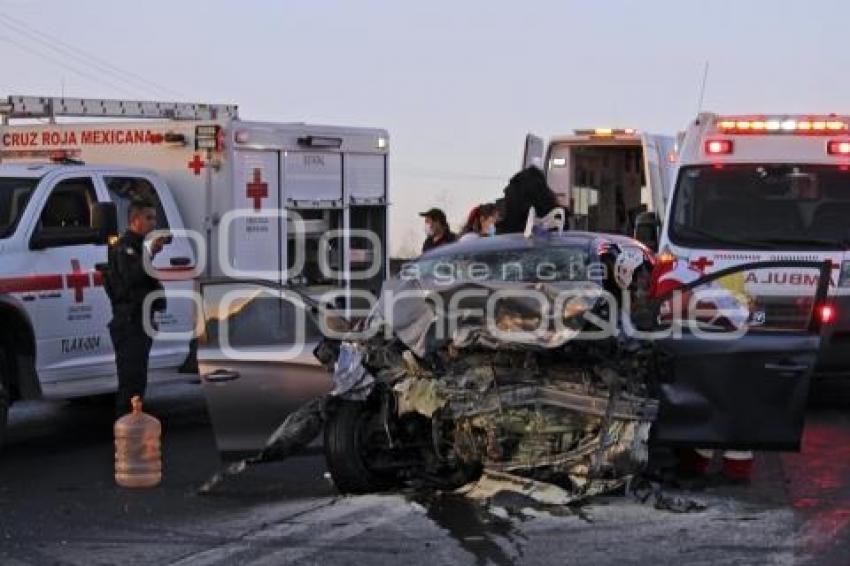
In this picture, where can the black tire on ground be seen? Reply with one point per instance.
(344, 450)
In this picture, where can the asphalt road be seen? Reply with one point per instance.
(59, 505)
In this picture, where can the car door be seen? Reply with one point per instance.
(175, 264)
(73, 343)
(256, 362)
(736, 365)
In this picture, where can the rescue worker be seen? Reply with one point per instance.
(127, 284)
(481, 222)
(439, 232)
(526, 189)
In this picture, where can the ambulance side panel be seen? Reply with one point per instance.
(253, 225)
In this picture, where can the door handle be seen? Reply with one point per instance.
(180, 261)
(221, 376)
(786, 367)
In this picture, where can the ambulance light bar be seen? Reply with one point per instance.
(604, 132)
(782, 125)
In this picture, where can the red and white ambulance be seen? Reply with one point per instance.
(752, 188)
(224, 188)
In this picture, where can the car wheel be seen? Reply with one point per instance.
(347, 443)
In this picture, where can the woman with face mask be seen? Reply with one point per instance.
(481, 222)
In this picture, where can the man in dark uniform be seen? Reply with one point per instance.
(127, 284)
(439, 232)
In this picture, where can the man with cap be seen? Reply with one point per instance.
(438, 229)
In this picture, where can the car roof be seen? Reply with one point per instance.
(35, 170)
(27, 170)
(518, 241)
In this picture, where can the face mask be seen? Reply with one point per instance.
(491, 231)
(431, 230)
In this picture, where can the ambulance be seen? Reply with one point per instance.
(756, 188)
(240, 199)
(611, 180)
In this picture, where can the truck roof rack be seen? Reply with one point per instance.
(16, 106)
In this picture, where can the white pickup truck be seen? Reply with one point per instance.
(225, 188)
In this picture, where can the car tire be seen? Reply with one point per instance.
(344, 452)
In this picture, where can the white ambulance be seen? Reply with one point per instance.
(611, 180)
(753, 188)
(199, 163)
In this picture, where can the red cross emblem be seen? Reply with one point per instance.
(196, 164)
(257, 189)
(700, 264)
(77, 280)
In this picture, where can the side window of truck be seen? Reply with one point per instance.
(123, 190)
(69, 206)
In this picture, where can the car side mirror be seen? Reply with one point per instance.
(646, 229)
(104, 219)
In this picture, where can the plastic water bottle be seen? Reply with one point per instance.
(138, 462)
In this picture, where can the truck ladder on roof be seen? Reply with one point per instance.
(50, 107)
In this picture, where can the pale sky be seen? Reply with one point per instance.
(457, 84)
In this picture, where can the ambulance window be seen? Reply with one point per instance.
(123, 190)
(14, 195)
(69, 205)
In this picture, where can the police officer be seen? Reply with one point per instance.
(127, 284)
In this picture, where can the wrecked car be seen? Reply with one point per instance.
(543, 357)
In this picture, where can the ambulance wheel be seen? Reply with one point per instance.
(350, 430)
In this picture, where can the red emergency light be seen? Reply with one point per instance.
(838, 147)
(826, 314)
(718, 147)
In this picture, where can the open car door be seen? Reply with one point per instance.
(533, 152)
(256, 361)
(737, 364)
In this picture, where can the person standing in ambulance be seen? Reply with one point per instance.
(127, 284)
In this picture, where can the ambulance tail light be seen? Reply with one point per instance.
(718, 147)
(838, 147)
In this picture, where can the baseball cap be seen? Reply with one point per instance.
(435, 214)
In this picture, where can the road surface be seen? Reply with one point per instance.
(59, 505)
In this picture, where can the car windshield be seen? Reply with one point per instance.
(762, 206)
(550, 264)
(14, 195)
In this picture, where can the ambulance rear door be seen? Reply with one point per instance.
(656, 149)
(252, 229)
(533, 151)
